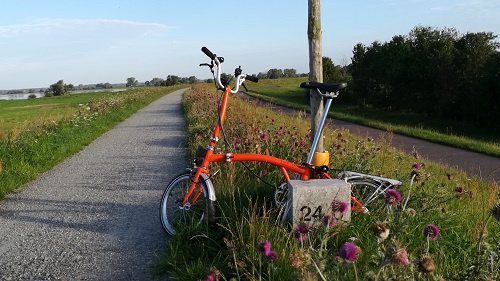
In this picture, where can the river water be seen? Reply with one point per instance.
(23, 96)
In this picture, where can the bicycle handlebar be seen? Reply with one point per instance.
(216, 61)
(208, 53)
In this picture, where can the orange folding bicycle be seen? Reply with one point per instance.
(190, 197)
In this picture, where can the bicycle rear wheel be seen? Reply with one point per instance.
(369, 192)
(174, 216)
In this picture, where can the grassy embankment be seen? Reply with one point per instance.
(457, 205)
(37, 134)
(287, 92)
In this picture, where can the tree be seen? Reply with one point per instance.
(315, 65)
(262, 75)
(57, 89)
(132, 82)
(172, 80)
(274, 73)
(157, 82)
(289, 73)
(192, 80)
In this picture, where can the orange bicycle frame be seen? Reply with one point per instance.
(210, 157)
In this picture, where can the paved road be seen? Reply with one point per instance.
(473, 163)
(95, 216)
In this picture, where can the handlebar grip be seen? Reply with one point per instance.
(252, 78)
(208, 53)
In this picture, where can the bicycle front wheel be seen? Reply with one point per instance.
(368, 192)
(175, 216)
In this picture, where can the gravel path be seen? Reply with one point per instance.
(95, 216)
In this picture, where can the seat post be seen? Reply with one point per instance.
(319, 130)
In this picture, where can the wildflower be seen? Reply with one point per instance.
(431, 231)
(271, 256)
(348, 251)
(392, 196)
(495, 211)
(308, 136)
(278, 133)
(264, 136)
(296, 261)
(300, 232)
(273, 120)
(450, 177)
(416, 166)
(265, 247)
(213, 275)
(237, 141)
(381, 231)
(340, 207)
(426, 265)
(329, 221)
(302, 143)
(459, 190)
(411, 211)
(396, 254)
(401, 258)
(264, 172)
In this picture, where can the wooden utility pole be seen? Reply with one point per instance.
(315, 65)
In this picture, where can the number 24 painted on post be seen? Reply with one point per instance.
(306, 213)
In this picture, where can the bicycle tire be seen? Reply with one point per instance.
(172, 215)
(369, 192)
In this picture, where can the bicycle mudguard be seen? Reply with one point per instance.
(210, 186)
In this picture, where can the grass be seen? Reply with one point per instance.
(229, 248)
(18, 115)
(45, 131)
(286, 92)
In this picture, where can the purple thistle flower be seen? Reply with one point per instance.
(308, 136)
(431, 231)
(392, 196)
(450, 177)
(340, 207)
(397, 255)
(348, 251)
(273, 120)
(264, 136)
(271, 256)
(401, 258)
(264, 172)
(302, 143)
(278, 133)
(329, 221)
(265, 247)
(300, 232)
(459, 189)
(237, 141)
(213, 275)
(416, 166)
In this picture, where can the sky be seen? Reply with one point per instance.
(99, 41)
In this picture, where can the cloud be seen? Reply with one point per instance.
(57, 26)
(71, 39)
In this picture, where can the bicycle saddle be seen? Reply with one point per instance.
(332, 88)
